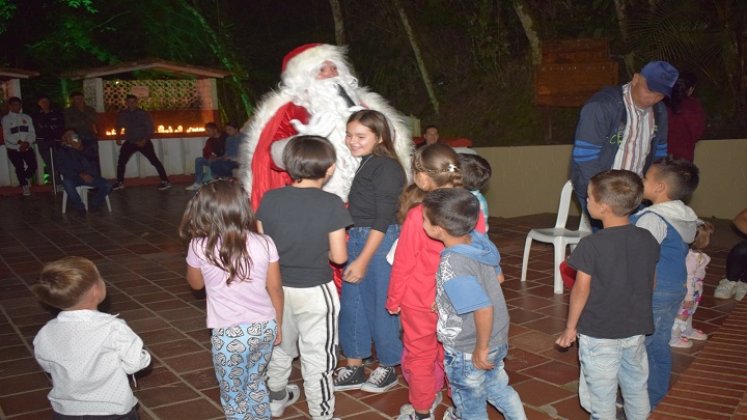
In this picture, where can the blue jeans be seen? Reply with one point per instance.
(607, 363)
(223, 168)
(103, 188)
(241, 354)
(363, 318)
(665, 306)
(200, 164)
(471, 387)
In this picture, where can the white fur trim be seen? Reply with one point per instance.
(310, 60)
(304, 64)
(266, 109)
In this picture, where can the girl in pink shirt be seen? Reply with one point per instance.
(412, 288)
(239, 270)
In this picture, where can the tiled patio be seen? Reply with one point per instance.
(142, 259)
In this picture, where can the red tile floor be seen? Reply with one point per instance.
(142, 259)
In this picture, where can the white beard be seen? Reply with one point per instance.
(322, 97)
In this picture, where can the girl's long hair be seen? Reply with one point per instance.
(220, 214)
(377, 123)
(441, 163)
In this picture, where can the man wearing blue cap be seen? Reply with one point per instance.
(623, 127)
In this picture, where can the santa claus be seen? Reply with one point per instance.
(317, 94)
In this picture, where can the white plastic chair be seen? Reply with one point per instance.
(83, 193)
(559, 236)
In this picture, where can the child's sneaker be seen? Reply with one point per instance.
(694, 334)
(408, 409)
(26, 190)
(725, 289)
(413, 416)
(291, 396)
(450, 414)
(164, 185)
(680, 343)
(194, 187)
(117, 186)
(741, 290)
(349, 377)
(381, 380)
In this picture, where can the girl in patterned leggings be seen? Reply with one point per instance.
(239, 270)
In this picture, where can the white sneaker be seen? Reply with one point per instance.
(408, 409)
(277, 407)
(26, 190)
(741, 290)
(449, 414)
(725, 289)
(194, 187)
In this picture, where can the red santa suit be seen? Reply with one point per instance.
(306, 105)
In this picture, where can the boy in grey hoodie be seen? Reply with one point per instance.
(473, 319)
(673, 224)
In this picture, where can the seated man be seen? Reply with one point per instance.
(213, 149)
(77, 170)
(223, 167)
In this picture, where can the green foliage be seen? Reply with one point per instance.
(86, 5)
(7, 9)
(476, 51)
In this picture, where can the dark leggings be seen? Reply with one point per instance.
(736, 263)
(24, 164)
(128, 149)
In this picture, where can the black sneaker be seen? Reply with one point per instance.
(164, 185)
(117, 186)
(381, 380)
(349, 377)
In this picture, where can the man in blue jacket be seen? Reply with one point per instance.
(77, 170)
(623, 127)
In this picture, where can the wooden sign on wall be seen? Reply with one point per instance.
(572, 71)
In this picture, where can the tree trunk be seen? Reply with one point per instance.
(418, 57)
(223, 54)
(621, 10)
(339, 22)
(527, 23)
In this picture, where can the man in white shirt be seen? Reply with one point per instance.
(19, 135)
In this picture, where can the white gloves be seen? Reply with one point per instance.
(320, 124)
(276, 151)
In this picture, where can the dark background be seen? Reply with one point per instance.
(476, 51)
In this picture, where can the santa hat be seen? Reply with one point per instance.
(308, 57)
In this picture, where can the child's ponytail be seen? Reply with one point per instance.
(441, 164)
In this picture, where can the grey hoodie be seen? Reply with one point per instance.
(676, 213)
(671, 271)
(465, 282)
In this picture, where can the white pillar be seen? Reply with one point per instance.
(93, 91)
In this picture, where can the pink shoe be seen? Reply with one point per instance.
(694, 334)
(680, 343)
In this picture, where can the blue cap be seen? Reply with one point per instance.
(660, 76)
